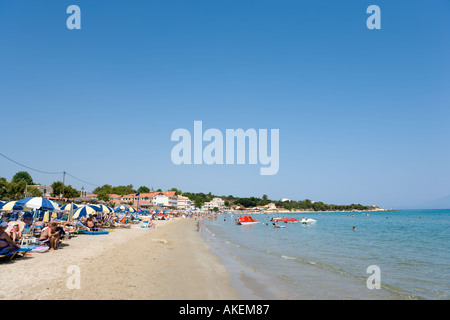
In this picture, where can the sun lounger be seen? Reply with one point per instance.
(12, 253)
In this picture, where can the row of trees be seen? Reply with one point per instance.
(250, 202)
(10, 191)
(104, 191)
(22, 186)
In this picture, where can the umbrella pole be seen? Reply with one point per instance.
(69, 218)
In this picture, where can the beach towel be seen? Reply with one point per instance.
(96, 232)
(40, 249)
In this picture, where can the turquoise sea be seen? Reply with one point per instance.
(330, 260)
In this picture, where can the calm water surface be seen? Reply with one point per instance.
(329, 260)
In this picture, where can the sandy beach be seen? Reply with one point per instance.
(170, 262)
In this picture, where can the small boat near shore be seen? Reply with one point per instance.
(308, 221)
(246, 220)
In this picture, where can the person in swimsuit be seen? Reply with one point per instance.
(6, 243)
(15, 234)
(51, 235)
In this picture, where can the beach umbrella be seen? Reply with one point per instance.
(122, 208)
(131, 209)
(38, 203)
(105, 209)
(68, 206)
(10, 206)
(46, 217)
(85, 211)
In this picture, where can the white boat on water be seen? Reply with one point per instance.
(308, 221)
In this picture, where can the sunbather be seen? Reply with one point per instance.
(6, 243)
(91, 224)
(50, 235)
(28, 220)
(15, 233)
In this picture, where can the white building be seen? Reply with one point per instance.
(214, 203)
(166, 199)
(183, 203)
(46, 190)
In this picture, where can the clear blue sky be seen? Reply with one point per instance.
(363, 114)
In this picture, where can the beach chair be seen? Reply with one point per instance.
(13, 253)
(29, 236)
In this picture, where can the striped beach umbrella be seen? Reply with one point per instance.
(122, 208)
(46, 217)
(105, 209)
(68, 206)
(85, 211)
(10, 206)
(38, 203)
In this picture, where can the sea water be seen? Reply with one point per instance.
(330, 259)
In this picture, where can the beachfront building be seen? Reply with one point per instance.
(183, 203)
(46, 190)
(214, 203)
(92, 197)
(165, 199)
(271, 206)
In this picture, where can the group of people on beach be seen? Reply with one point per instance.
(15, 227)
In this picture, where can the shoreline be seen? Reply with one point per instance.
(169, 262)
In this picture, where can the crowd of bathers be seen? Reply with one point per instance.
(19, 228)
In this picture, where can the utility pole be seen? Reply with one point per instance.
(64, 181)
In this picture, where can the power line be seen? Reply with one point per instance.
(93, 184)
(48, 172)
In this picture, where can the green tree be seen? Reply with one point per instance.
(105, 188)
(4, 189)
(34, 192)
(16, 190)
(122, 190)
(143, 189)
(177, 192)
(69, 191)
(103, 195)
(198, 201)
(23, 176)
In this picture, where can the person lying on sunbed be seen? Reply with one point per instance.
(78, 225)
(50, 235)
(15, 233)
(90, 223)
(6, 243)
